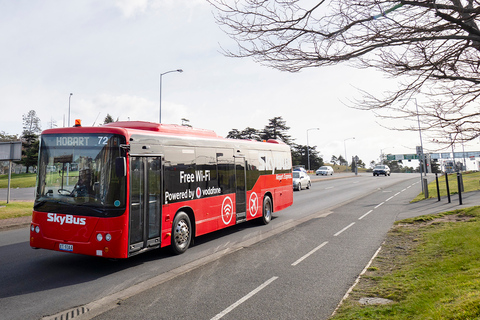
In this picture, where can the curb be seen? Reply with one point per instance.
(14, 223)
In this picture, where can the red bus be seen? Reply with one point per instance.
(128, 187)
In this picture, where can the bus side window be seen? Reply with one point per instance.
(226, 170)
(206, 168)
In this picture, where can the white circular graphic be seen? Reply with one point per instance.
(227, 210)
(199, 193)
(253, 204)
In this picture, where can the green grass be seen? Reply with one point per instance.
(429, 267)
(22, 180)
(471, 182)
(15, 209)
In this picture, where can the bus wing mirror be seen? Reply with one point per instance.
(121, 166)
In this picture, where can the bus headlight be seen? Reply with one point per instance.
(108, 237)
(99, 237)
(37, 229)
(32, 228)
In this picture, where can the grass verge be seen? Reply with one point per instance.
(15, 209)
(471, 182)
(428, 268)
(22, 180)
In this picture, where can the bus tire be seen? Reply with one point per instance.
(181, 233)
(267, 210)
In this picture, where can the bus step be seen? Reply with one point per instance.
(240, 220)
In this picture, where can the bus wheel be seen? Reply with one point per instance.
(181, 233)
(267, 210)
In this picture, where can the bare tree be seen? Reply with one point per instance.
(431, 46)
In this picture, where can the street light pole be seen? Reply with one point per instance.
(161, 74)
(422, 154)
(71, 94)
(308, 147)
(345, 146)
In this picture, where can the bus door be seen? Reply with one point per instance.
(145, 202)
(240, 188)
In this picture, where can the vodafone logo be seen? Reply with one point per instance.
(253, 204)
(198, 193)
(227, 210)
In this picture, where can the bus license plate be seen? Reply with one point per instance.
(65, 247)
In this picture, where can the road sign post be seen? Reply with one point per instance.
(10, 151)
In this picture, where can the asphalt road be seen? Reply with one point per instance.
(247, 271)
(22, 194)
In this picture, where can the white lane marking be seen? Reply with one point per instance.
(339, 232)
(378, 205)
(328, 188)
(396, 194)
(389, 198)
(309, 254)
(245, 298)
(366, 214)
(404, 189)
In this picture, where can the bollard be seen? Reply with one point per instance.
(438, 187)
(448, 188)
(425, 188)
(459, 182)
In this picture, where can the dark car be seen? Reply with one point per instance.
(381, 169)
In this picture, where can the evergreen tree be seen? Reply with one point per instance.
(234, 134)
(186, 122)
(277, 129)
(30, 144)
(5, 137)
(108, 119)
(334, 160)
(300, 157)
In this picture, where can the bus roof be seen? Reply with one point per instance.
(131, 127)
(163, 128)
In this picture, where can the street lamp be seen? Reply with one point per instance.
(71, 94)
(422, 155)
(453, 154)
(161, 74)
(308, 147)
(345, 146)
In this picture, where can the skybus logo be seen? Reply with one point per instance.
(67, 219)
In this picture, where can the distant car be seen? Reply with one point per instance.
(324, 171)
(301, 180)
(300, 169)
(381, 169)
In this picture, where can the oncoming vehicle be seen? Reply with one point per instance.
(381, 169)
(301, 180)
(136, 186)
(324, 171)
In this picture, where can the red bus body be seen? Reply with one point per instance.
(129, 187)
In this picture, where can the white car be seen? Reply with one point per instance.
(324, 171)
(301, 180)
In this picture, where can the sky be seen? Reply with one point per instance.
(110, 54)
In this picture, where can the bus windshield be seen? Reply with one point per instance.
(76, 174)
